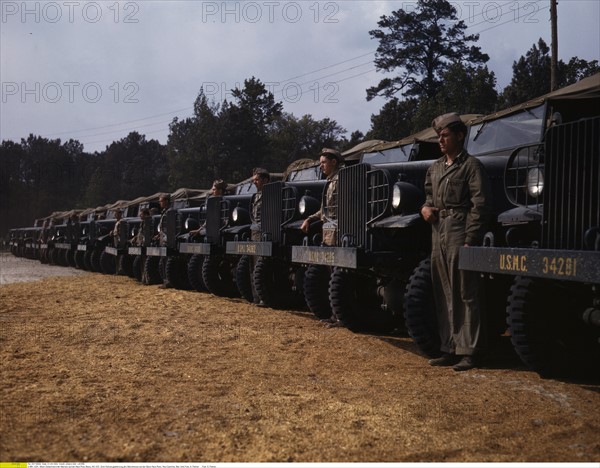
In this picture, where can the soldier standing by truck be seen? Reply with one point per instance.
(458, 207)
(330, 161)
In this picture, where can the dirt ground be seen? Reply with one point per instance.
(100, 368)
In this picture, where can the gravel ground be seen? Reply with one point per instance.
(100, 368)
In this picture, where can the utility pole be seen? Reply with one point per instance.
(554, 46)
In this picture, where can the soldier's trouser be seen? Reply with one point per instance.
(457, 293)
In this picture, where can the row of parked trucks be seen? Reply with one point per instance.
(540, 258)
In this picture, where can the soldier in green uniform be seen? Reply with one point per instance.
(260, 177)
(330, 161)
(458, 207)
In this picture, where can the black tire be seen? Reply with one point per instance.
(546, 329)
(126, 265)
(80, 259)
(176, 273)
(64, 257)
(87, 259)
(53, 255)
(279, 284)
(316, 290)
(108, 263)
(217, 276)
(152, 270)
(138, 267)
(162, 268)
(243, 277)
(95, 261)
(419, 311)
(71, 258)
(194, 273)
(355, 302)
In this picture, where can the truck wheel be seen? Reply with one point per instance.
(354, 301)
(95, 260)
(546, 329)
(71, 258)
(44, 256)
(175, 271)
(316, 292)
(108, 263)
(126, 265)
(419, 311)
(79, 260)
(217, 276)
(243, 278)
(52, 260)
(276, 283)
(88, 260)
(64, 257)
(152, 270)
(194, 272)
(138, 267)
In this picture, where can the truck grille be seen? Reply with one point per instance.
(523, 161)
(173, 228)
(272, 211)
(289, 203)
(378, 194)
(225, 212)
(352, 201)
(572, 185)
(213, 219)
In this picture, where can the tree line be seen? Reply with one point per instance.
(433, 67)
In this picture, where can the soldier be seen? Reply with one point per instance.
(115, 231)
(330, 161)
(458, 207)
(165, 203)
(218, 189)
(260, 177)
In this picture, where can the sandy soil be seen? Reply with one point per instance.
(100, 368)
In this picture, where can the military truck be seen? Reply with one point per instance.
(379, 237)
(285, 204)
(225, 217)
(171, 265)
(547, 243)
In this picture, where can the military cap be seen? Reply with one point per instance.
(335, 153)
(261, 172)
(220, 184)
(442, 121)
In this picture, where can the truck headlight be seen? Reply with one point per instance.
(308, 205)
(235, 215)
(535, 182)
(396, 197)
(302, 206)
(240, 216)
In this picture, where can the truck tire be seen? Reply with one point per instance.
(53, 256)
(71, 258)
(278, 284)
(316, 290)
(355, 303)
(80, 259)
(137, 267)
(108, 263)
(194, 273)
(88, 260)
(243, 277)
(419, 311)
(95, 261)
(176, 273)
(162, 268)
(546, 329)
(44, 256)
(217, 276)
(152, 270)
(126, 265)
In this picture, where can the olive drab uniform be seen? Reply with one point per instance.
(461, 191)
(328, 210)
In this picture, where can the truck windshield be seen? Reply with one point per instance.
(398, 154)
(310, 173)
(518, 129)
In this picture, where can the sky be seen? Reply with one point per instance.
(96, 70)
